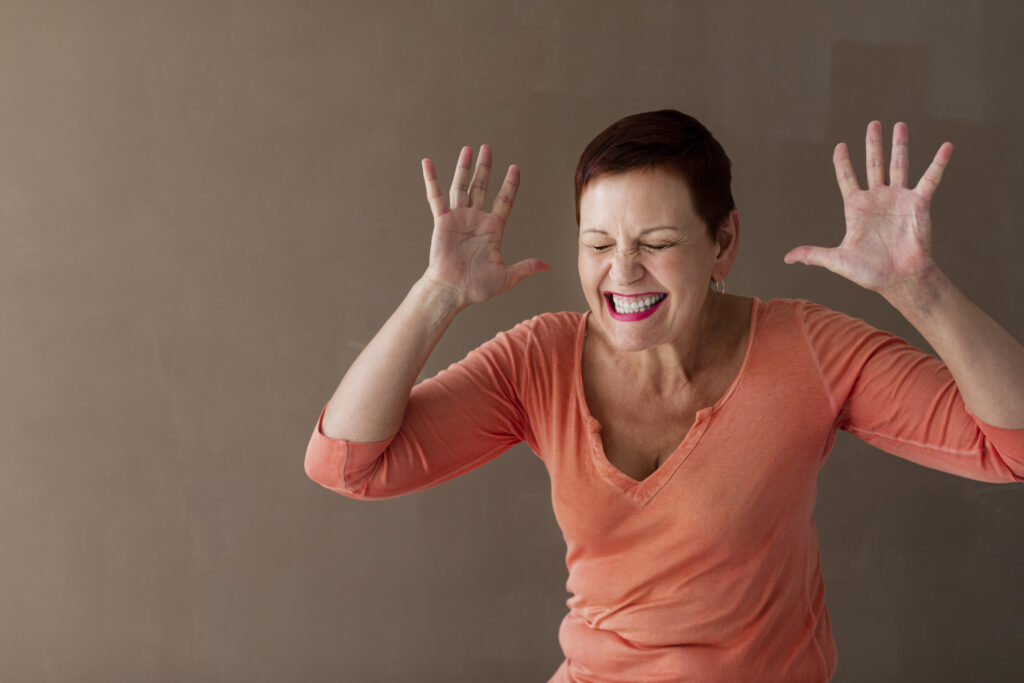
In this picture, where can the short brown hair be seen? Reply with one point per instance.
(667, 139)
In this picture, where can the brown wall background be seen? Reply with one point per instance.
(208, 208)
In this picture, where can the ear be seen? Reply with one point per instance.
(728, 244)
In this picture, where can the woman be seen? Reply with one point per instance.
(682, 427)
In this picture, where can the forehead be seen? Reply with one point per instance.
(637, 199)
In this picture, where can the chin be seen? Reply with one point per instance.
(632, 335)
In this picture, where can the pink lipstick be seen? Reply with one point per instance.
(634, 316)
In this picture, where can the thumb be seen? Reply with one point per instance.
(518, 272)
(812, 256)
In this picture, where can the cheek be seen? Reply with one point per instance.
(584, 273)
(589, 266)
(591, 277)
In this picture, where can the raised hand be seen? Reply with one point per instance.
(465, 250)
(888, 227)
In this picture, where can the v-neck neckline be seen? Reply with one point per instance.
(643, 490)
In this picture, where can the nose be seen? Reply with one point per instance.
(626, 268)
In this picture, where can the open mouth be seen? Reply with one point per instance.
(633, 307)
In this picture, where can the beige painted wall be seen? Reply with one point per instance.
(207, 208)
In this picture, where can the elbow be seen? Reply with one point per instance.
(347, 468)
(328, 470)
(325, 460)
(319, 470)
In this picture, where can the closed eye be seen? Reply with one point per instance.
(599, 248)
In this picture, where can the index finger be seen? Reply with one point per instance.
(502, 206)
(930, 180)
(845, 175)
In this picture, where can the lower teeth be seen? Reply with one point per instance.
(634, 309)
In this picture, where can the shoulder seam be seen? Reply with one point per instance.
(525, 369)
(814, 357)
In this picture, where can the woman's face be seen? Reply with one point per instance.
(645, 258)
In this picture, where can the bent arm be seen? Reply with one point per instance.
(370, 401)
(984, 359)
(906, 402)
(463, 417)
(376, 404)
(887, 249)
(465, 267)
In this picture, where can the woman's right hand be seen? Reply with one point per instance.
(465, 250)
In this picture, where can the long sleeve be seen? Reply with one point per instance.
(455, 421)
(905, 401)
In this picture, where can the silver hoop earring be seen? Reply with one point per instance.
(719, 286)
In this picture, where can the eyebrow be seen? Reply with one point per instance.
(642, 232)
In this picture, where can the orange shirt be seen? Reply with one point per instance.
(708, 569)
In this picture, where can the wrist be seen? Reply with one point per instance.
(920, 292)
(442, 299)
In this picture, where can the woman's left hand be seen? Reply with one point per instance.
(887, 246)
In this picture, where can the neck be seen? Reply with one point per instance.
(705, 344)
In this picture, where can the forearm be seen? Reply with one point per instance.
(986, 362)
(370, 401)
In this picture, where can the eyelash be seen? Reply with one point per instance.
(651, 247)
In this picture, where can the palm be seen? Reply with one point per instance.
(888, 236)
(888, 227)
(465, 251)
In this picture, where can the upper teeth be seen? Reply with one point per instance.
(635, 304)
